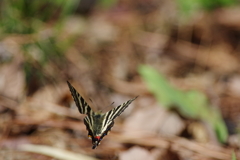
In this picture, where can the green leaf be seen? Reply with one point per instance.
(191, 104)
(210, 5)
(234, 156)
(188, 7)
(107, 3)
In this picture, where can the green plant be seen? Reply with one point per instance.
(107, 3)
(191, 104)
(24, 16)
(188, 8)
(234, 156)
(210, 5)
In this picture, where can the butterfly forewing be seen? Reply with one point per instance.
(112, 114)
(82, 105)
(97, 124)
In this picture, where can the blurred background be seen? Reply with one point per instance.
(182, 58)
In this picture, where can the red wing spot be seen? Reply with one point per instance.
(98, 138)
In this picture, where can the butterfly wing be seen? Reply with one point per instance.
(83, 108)
(108, 121)
(112, 114)
(82, 105)
(97, 125)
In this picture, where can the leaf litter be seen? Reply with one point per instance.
(104, 68)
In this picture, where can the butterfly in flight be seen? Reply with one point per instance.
(97, 124)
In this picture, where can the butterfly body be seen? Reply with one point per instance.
(95, 127)
(98, 124)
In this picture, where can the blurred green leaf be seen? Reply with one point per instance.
(188, 8)
(234, 156)
(210, 5)
(107, 3)
(191, 104)
(25, 17)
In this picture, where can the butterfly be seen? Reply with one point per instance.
(98, 124)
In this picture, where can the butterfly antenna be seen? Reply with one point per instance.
(94, 105)
(110, 104)
(90, 100)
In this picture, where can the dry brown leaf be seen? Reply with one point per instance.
(184, 147)
(51, 93)
(12, 81)
(234, 85)
(54, 152)
(228, 17)
(129, 88)
(154, 119)
(137, 153)
(153, 42)
(101, 30)
(217, 58)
